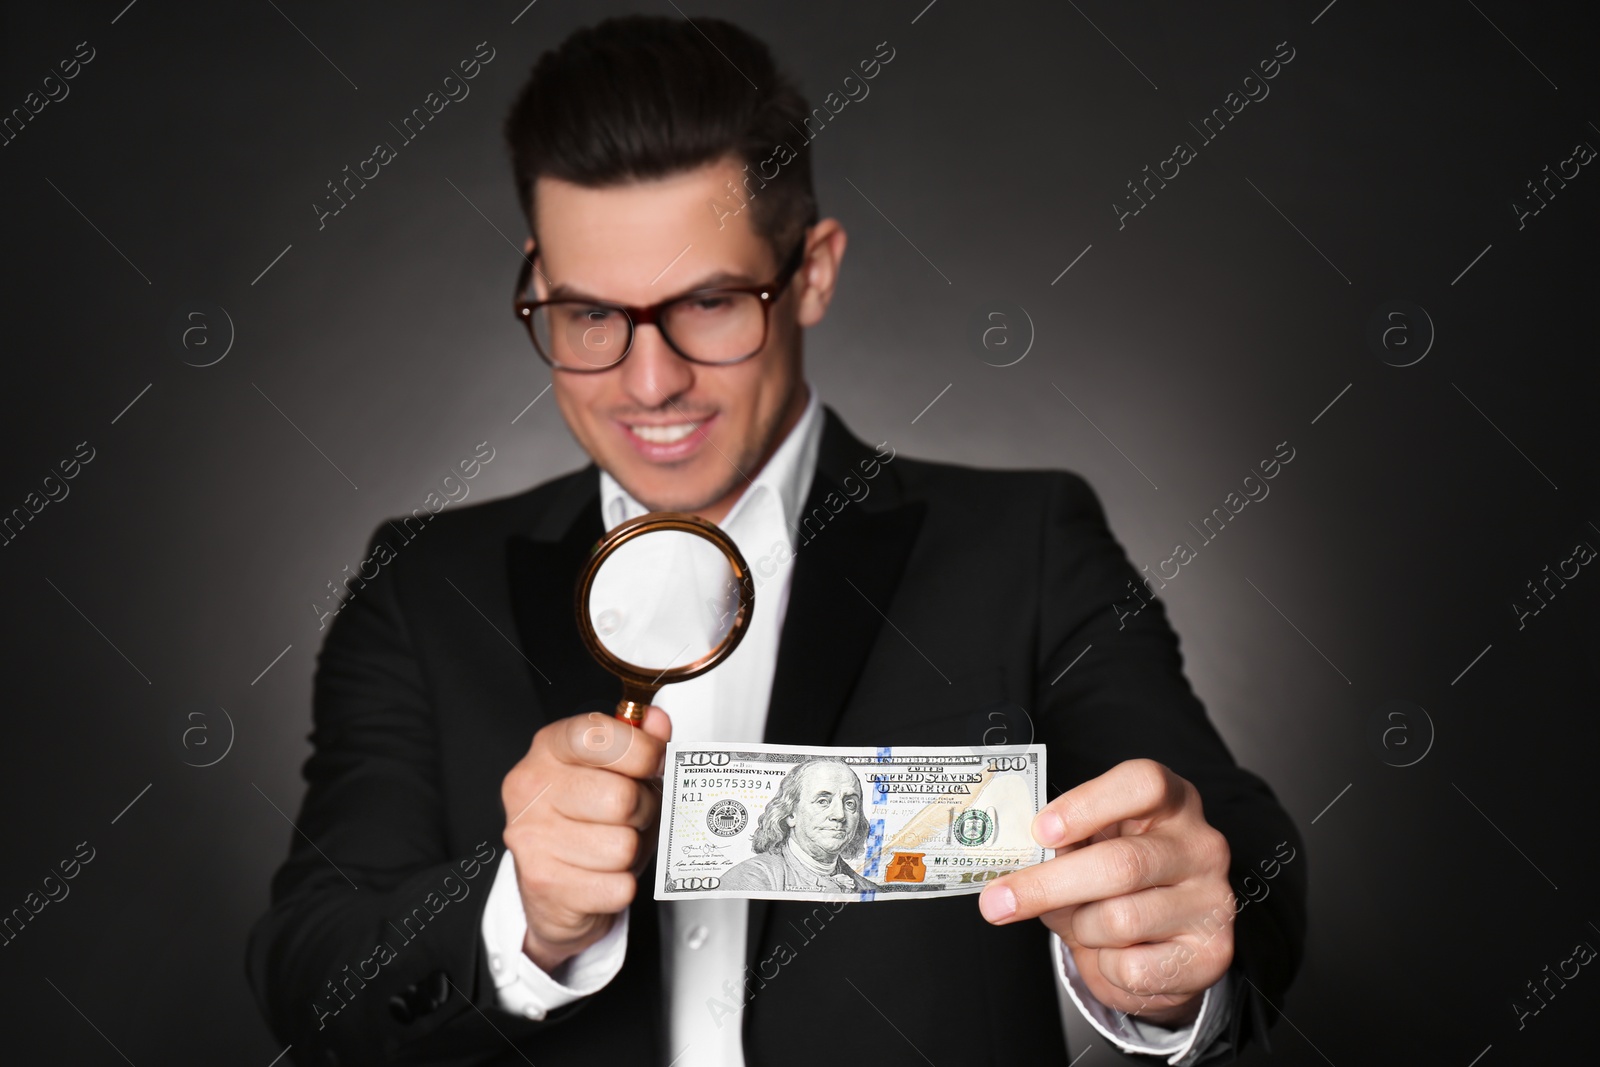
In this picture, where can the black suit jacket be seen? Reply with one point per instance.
(930, 603)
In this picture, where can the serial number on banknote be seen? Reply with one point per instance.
(798, 822)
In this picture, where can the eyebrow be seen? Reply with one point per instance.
(710, 281)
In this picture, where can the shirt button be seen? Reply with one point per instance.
(696, 936)
(494, 962)
(532, 1011)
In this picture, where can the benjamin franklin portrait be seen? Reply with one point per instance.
(805, 834)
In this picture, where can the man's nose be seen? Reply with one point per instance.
(653, 373)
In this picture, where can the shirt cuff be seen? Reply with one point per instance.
(1129, 1033)
(521, 986)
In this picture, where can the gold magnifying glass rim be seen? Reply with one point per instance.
(653, 522)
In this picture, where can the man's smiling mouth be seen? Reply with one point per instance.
(669, 439)
(667, 434)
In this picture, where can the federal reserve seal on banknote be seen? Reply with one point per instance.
(794, 822)
(727, 817)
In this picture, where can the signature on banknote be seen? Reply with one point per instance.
(704, 851)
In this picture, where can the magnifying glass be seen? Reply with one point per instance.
(663, 598)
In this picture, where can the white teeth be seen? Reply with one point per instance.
(664, 435)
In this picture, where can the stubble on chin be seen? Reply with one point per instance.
(691, 504)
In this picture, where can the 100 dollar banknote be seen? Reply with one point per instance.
(802, 823)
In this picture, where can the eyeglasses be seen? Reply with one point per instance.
(717, 326)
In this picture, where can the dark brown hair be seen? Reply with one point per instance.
(642, 97)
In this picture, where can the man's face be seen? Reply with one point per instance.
(677, 435)
(830, 805)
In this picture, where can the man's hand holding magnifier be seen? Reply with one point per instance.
(1137, 870)
(582, 808)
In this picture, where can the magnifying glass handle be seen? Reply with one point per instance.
(635, 699)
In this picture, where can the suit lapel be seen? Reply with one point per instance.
(844, 579)
(543, 572)
(845, 575)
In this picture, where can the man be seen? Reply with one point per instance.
(901, 598)
(805, 832)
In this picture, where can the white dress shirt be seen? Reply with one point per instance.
(703, 941)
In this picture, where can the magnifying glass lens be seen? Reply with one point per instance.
(665, 598)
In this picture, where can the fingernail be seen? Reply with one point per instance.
(997, 902)
(1049, 830)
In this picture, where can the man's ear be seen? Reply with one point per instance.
(819, 272)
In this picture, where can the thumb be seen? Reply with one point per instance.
(657, 723)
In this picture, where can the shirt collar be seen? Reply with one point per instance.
(786, 476)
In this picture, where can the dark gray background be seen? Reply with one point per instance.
(1222, 320)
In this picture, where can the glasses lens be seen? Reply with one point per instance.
(717, 326)
(580, 335)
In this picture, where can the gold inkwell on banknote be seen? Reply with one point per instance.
(663, 598)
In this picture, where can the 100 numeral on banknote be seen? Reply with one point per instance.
(793, 822)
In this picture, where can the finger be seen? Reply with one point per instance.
(592, 795)
(1166, 968)
(599, 740)
(1103, 869)
(591, 847)
(1149, 915)
(1134, 789)
(657, 723)
(525, 786)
